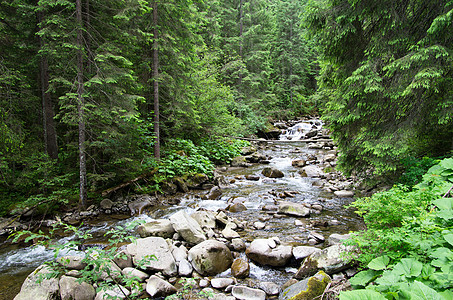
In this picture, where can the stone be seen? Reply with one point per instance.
(307, 289)
(157, 287)
(317, 236)
(187, 227)
(293, 209)
(132, 272)
(48, 289)
(196, 181)
(106, 204)
(301, 252)
(240, 268)
(210, 257)
(344, 194)
(238, 244)
(123, 259)
(246, 293)
(272, 172)
(239, 161)
(248, 150)
(185, 268)
(147, 247)
(260, 251)
(204, 218)
(113, 292)
(252, 177)
(312, 171)
(289, 283)
(71, 289)
(162, 228)
(181, 184)
(72, 262)
(237, 207)
(259, 225)
(329, 260)
(221, 283)
(270, 288)
(214, 193)
(255, 157)
(179, 253)
(298, 163)
(228, 231)
(336, 238)
(137, 206)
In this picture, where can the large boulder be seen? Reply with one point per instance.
(312, 171)
(196, 181)
(157, 287)
(187, 227)
(246, 293)
(272, 172)
(329, 260)
(307, 289)
(214, 193)
(344, 194)
(204, 218)
(113, 292)
(72, 262)
(239, 161)
(293, 209)
(141, 203)
(210, 257)
(266, 252)
(161, 228)
(71, 289)
(147, 248)
(301, 252)
(48, 289)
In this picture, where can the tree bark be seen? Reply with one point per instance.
(50, 133)
(80, 110)
(156, 82)
(241, 28)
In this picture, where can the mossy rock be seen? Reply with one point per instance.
(307, 289)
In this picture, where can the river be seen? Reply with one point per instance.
(16, 262)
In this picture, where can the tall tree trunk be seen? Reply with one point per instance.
(156, 82)
(80, 109)
(291, 62)
(241, 25)
(50, 133)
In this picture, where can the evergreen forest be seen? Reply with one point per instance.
(98, 93)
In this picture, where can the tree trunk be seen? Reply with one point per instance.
(50, 133)
(80, 109)
(156, 82)
(241, 25)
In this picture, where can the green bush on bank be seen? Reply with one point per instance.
(407, 249)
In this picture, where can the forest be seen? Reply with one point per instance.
(96, 93)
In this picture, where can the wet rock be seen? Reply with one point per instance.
(301, 252)
(266, 252)
(113, 292)
(307, 289)
(237, 207)
(272, 172)
(140, 203)
(221, 283)
(229, 233)
(317, 207)
(248, 150)
(270, 288)
(312, 171)
(259, 225)
(157, 287)
(106, 204)
(72, 262)
(240, 161)
(240, 268)
(196, 181)
(298, 163)
(181, 184)
(222, 218)
(252, 177)
(187, 227)
(329, 260)
(255, 157)
(293, 209)
(336, 238)
(269, 207)
(168, 188)
(161, 228)
(132, 272)
(317, 236)
(238, 244)
(47, 289)
(214, 193)
(71, 289)
(246, 293)
(141, 249)
(289, 283)
(311, 133)
(210, 257)
(344, 194)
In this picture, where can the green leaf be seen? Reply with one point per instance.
(363, 278)
(447, 163)
(408, 267)
(420, 291)
(447, 295)
(361, 295)
(449, 238)
(379, 263)
(444, 203)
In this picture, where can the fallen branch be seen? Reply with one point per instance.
(281, 141)
(125, 184)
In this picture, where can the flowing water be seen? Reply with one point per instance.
(16, 263)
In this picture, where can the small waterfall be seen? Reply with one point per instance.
(301, 130)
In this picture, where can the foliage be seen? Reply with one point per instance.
(414, 169)
(187, 291)
(408, 247)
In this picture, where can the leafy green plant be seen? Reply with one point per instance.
(187, 291)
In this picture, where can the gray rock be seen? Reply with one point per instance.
(272, 172)
(293, 209)
(214, 193)
(259, 225)
(260, 251)
(312, 171)
(246, 293)
(252, 177)
(238, 244)
(329, 260)
(72, 262)
(157, 246)
(240, 161)
(48, 289)
(237, 207)
(221, 283)
(179, 253)
(336, 238)
(157, 287)
(161, 227)
(270, 288)
(106, 204)
(114, 292)
(344, 194)
(298, 163)
(229, 233)
(187, 227)
(70, 289)
(123, 259)
(204, 218)
(210, 257)
(307, 289)
(317, 236)
(132, 272)
(138, 205)
(301, 252)
(185, 268)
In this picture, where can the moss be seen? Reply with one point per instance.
(307, 289)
